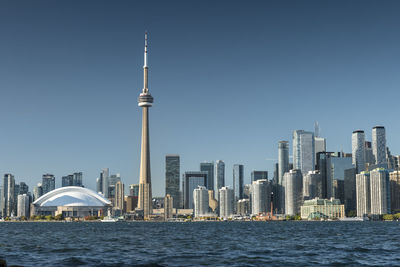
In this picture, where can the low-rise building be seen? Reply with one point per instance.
(322, 208)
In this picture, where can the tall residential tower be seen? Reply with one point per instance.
(145, 101)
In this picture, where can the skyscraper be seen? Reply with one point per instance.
(379, 190)
(191, 181)
(283, 166)
(119, 195)
(200, 200)
(238, 173)
(77, 179)
(260, 196)
(283, 159)
(37, 191)
(67, 180)
(8, 195)
(293, 184)
(303, 151)
(379, 144)
(209, 168)
(259, 175)
(172, 174)
(312, 185)
(363, 194)
(350, 196)
(145, 102)
(48, 183)
(23, 205)
(319, 145)
(219, 176)
(395, 191)
(104, 177)
(358, 150)
(226, 202)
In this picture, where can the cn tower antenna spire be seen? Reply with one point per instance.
(145, 67)
(145, 49)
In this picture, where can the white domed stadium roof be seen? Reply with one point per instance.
(72, 196)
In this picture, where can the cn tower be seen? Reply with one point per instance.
(145, 101)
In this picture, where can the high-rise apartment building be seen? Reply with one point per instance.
(395, 191)
(379, 144)
(363, 194)
(259, 175)
(119, 196)
(192, 180)
(67, 180)
(23, 205)
(37, 191)
(172, 174)
(23, 188)
(260, 197)
(104, 176)
(238, 181)
(226, 202)
(303, 151)
(8, 195)
(283, 167)
(293, 184)
(358, 150)
(200, 201)
(219, 176)
(379, 190)
(48, 183)
(209, 168)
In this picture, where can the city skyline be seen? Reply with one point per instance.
(77, 112)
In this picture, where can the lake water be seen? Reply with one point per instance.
(200, 243)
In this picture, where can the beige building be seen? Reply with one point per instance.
(394, 178)
(322, 208)
(212, 202)
(168, 207)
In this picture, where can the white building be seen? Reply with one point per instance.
(379, 190)
(358, 150)
(226, 202)
(379, 144)
(200, 200)
(260, 197)
(293, 184)
(363, 195)
(23, 206)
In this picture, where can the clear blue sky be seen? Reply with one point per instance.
(229, 79)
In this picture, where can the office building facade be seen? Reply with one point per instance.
(238, 181)
(172, 175)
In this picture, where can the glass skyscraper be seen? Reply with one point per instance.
(209, 168)
(238, 173)
(358, 150)
(379, 144)
(303, 151)
(219, 175)
(172, 174)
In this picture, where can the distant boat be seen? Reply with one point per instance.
(108, 218)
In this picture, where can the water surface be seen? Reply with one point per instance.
(200, 243)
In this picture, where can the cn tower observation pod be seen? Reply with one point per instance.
(71, 201)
